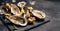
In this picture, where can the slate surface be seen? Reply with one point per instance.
(52, 9)
(10, 26)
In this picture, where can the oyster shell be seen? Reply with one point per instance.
(39, 14)
(17, 20)
(14, 9)
(21, 4)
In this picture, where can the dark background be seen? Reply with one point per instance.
(52, 10)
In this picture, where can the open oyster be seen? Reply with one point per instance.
(17, 20)
(22, 5)
(20, 17)
(37, 13)
(14, 9)
(14, 19)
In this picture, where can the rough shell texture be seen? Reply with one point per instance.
(39, 14)
(18, 20)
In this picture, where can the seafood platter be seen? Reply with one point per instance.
(16, 17)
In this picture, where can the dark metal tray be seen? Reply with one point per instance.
(20, 28)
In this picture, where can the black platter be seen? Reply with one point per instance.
(10, 25)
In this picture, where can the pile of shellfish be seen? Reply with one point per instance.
(17, 15)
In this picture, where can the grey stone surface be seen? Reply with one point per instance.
(52, 10)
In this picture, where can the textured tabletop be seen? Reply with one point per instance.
(52, 10)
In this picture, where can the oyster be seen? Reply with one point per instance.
(37, 13)
(22, 5)
(14, 9)
(17, 20)
(14, 18)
